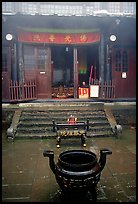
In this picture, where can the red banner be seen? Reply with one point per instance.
(58, 38)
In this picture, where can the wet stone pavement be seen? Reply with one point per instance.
(27, 177)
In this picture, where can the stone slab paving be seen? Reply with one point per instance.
(27, 177)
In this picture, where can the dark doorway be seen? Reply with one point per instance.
(62, 65)
(88, 56)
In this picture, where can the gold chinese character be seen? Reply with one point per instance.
(51, 38)
(83, 38)
(68, 38)
(36, 37)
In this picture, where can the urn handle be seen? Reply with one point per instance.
(50, 154)
(102, 160)
(105, 151)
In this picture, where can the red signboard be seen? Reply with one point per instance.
(58, 38)
(83, 92)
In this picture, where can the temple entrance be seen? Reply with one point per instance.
(63, 71)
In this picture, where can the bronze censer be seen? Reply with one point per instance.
(78, 172)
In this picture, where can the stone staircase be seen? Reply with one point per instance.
(38, 122)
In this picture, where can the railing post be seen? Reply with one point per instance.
(87, 124)
(22, 90)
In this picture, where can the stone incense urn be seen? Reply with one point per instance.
(78, 171)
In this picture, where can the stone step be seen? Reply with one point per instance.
(48, 129)
(57, 117)
(63, 119)
(42, 135)
(39, 135)
(52, 112)
(45, 124)
(66, 115)
(38, 122)
(100, 134)
(56, 105)
(99, 128)
(35, 129)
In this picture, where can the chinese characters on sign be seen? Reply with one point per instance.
(83, 92)
(58, 38)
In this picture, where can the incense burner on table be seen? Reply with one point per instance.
(71, 129)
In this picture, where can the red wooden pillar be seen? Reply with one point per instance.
(75, 73)
(6, 72)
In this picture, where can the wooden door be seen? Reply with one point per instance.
(37, 67)
(124, 72)
(43, 75)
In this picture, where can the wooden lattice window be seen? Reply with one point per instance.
(121, 61)
(118, 61)
(29, 57)
(42, 58)
(4, 62)
(124, 61)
